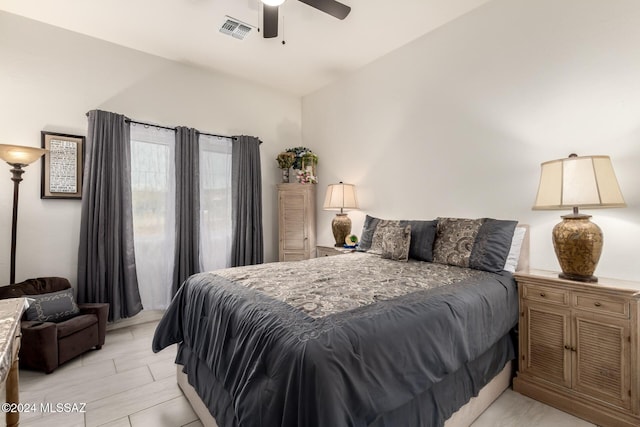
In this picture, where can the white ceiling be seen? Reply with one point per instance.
(318, 49)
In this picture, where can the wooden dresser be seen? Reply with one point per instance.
(10, 313)
(297, 221)
(579, 346)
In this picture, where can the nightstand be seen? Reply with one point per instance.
(579, 346)
(331, 251)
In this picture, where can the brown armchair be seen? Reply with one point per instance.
(47, 345)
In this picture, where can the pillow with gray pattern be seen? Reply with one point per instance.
(383, 227)
(52, 307)
(454, 240)
(396, 241)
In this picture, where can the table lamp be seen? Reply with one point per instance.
(18, 157)
(340, 197)
(573, 183)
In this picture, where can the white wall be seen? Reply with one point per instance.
(49, 79)
(457, 122)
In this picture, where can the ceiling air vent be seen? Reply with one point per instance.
(235, 28)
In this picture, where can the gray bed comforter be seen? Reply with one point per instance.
(335, 341)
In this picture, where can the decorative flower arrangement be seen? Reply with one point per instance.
(299, 153)
(309, 162)
(306, 177)
(286, 160)
(303, 160)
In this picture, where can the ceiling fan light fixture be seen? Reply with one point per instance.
(273, 2)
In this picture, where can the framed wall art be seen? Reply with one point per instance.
(62, 166)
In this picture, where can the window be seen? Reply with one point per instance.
(215, 202)
(153, 199)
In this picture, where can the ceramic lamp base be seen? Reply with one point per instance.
(578, 245)
(341, 226)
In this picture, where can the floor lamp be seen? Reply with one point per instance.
(18, 157)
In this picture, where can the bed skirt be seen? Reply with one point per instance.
(464, 417)
(476, 386)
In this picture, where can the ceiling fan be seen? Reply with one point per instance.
(270, 13)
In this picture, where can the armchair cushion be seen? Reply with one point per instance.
(76, 324)
(52, 307)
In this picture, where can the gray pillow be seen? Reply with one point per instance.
(52, 307)
(369, 227)
(423, 234)
(396, 240)
(492, 245)
(454, 240)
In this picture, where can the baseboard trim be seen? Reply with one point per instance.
(144, 316)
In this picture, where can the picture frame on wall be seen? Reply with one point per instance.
(62, 166)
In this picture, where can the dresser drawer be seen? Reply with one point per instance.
(326, 251)
(546, 294)
(607, 305)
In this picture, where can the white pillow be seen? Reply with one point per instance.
(514, 253)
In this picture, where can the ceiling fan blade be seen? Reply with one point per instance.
(269, 21)
(332, 7)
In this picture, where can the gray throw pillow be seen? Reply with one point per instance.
(52, 307)
(492, 245)
(454, 240)
(423, 234)
(396, 240)
(369, 227)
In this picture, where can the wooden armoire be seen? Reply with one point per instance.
(297, 221)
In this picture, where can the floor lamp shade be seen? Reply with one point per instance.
(573, 183)
(18, 157)
(340, 197)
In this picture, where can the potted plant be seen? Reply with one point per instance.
(309, 162)
(285, 161)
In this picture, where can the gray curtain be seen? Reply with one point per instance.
(187, 256)
(246, 180)
(106, 259)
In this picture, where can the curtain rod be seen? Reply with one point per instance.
(172, 128)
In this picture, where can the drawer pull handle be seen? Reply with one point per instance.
(597, 304)
(566, 347)
(542, 294)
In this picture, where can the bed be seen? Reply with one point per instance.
(360, 339)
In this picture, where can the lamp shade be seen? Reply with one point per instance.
(273, 2)
(20, 155)
(578, 182)
(340, 197)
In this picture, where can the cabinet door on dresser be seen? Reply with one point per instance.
(546, 333)
(602, 358)
(296, 208)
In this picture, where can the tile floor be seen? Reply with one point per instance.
(126, 385)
